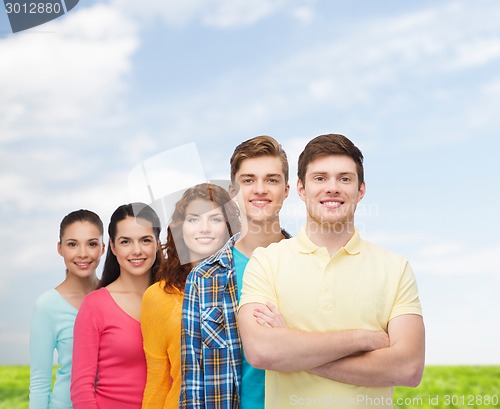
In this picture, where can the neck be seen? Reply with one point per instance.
(130, 283)
(84, 285)
(332, 236)
(255, 235)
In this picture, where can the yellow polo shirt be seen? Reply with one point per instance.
(362, 286)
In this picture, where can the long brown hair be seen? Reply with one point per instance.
(111, 269)
(172, 272)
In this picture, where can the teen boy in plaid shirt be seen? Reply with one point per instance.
(215, 373)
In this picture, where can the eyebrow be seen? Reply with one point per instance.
(324, 172)
(142, 237)
(274, 175)
(199, 214)
(92, 239)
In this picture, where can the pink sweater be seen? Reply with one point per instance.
(109, 366)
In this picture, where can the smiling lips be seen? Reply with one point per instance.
(331, 204)
(83, 265)
(205, 240)
(261, 202)
(137, 262)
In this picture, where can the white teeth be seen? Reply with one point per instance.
(332, 204)
(136, 261)
(204, 239)
(260, 202)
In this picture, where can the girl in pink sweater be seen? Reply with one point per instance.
(109, 366)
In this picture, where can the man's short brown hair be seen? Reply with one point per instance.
(330, 144)
(256, 147)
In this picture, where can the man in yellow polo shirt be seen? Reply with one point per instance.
(328, 284)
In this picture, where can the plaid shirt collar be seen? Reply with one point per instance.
(224, 257)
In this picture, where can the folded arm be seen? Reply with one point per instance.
(289, 350)
(401, 364)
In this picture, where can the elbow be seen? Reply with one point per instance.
(412, 375)
(258, 358)
(259, 352)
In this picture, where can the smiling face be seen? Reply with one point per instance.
(331, 191)
(204, 229)
(81, 247)
(134, 246)
(262, 188)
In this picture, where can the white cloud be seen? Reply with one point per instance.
(211, 13)
(455, 259)
(492, 88)
(450, 344)
(232, 13)
(172, 12)
(446, 249)
(304, 14)
(477, 52)
(365, 66)
(441, 257)
(57, 80)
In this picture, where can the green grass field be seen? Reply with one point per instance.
(14, 384)
(461, 387)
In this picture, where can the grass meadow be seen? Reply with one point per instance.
(461, 387)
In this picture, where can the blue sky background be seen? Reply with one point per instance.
(416, 85)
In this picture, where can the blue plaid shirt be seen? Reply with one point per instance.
(210, 341)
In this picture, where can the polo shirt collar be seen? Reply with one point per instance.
(353, 246)
(306, 245)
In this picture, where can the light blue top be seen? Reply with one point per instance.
(252, 379)
(51, 329)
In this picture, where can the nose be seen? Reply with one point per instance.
(82, 251)
(136, 248)
(260, 187)
(331, 186)
(204, 225)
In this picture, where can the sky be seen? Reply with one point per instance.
(88, 97)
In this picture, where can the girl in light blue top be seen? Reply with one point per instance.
(81, 246)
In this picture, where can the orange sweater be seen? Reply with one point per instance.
(161, 330)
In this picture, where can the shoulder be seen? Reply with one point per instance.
(381, 255)
(46, 298)
(156, 299)
(49, 301)
(95, 307)
(272, 259)
(95, 298)
(275, 250)
(154, 291)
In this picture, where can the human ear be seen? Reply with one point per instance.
(301, 190)
(287, 190)
(232, 190)
(112, 247)
(362, 191)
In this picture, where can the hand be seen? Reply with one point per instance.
(269, 317)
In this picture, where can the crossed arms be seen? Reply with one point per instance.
(357, 357)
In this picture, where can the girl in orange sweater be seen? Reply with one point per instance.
(203, 220)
